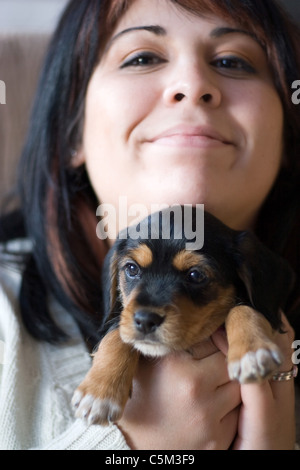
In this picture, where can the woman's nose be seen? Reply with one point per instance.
(192, 84)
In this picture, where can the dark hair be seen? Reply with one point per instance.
(56, 198)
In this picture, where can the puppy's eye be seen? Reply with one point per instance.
(196, 276)
(132, 270)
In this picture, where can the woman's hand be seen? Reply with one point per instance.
(187, 402)
(267, 416)
(183, 401)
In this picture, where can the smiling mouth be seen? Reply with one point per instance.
(187, 136)
(186, 140)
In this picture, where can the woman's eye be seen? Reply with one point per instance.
(144, 59)
(195, 276)
(233, 64)
(132, 270)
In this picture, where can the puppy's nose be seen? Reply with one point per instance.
(147, 322)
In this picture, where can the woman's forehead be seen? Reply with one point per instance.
(163, 17)
(122, 10)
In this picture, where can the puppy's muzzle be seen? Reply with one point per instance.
(147, 322)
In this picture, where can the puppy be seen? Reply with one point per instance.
(161, 297)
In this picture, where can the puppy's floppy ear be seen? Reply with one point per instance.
(268, 279)
(110, 274)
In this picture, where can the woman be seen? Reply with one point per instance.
(161, 102)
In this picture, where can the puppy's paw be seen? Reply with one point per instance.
(255, 366)
(95, 410)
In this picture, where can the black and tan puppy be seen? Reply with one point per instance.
(162, 297)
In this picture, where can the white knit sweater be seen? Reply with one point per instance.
(37, 381)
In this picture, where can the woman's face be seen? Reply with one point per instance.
(182, 109)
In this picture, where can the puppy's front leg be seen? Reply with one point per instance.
(252, 355)
(102, 395)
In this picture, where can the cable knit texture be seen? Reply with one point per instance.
(37, 381)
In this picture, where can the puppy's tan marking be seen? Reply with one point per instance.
(185, 323)
(188, 323)
(185, 260)
(247, 330)
(252, 353)
(127, 329)
(142, 255)
(111, 375)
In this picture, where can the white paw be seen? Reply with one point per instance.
(255, 366)
(95, 410)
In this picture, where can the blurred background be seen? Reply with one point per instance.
(29, 16)
(41, 15)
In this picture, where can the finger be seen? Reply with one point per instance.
(213, 370)
(229, 425)
(258, 393)
(219, 338)
(284, 342)
(210, 371)
(203, 349)
(262, 414)
(284, 390)
(228, 398)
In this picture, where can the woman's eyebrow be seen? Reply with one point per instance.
(155, 29)
(160, 31)
(223, 30)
